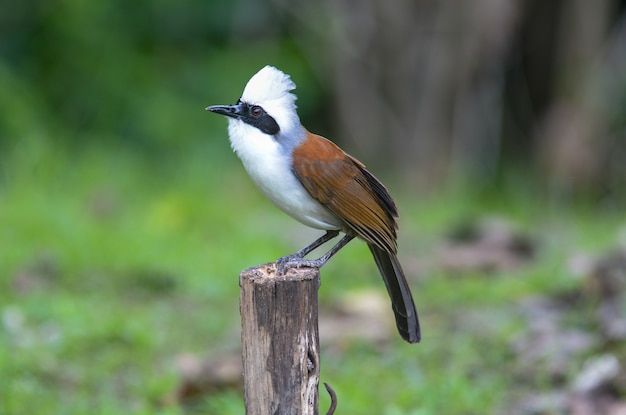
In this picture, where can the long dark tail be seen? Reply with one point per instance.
(401, 298)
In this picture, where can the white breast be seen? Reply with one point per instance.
(270, 170)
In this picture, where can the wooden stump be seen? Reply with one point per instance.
(280, 337)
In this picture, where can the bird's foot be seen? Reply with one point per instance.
(285, 263)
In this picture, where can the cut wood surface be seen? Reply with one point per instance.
(280, 339)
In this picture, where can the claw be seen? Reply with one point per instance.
(284, 264)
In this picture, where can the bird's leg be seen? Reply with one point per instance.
(281, 263)
(297, 261)
(315, 244)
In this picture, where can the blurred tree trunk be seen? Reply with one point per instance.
(439, 87)
(419, 83)
(416, 84)
(571, 141)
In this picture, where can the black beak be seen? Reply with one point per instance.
(234, 111)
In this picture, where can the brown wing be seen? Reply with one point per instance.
(342, 184)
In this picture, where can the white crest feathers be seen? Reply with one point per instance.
(267, 85)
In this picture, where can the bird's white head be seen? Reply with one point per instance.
(271, 89)
(264, 126)
(266, 105)
(269, 86)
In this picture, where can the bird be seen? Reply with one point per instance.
(314, 181)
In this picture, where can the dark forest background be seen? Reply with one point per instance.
(430, 90)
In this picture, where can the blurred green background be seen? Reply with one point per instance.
(125, 218)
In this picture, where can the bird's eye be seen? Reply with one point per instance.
(256, 111)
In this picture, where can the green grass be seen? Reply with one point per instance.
(112, 266)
